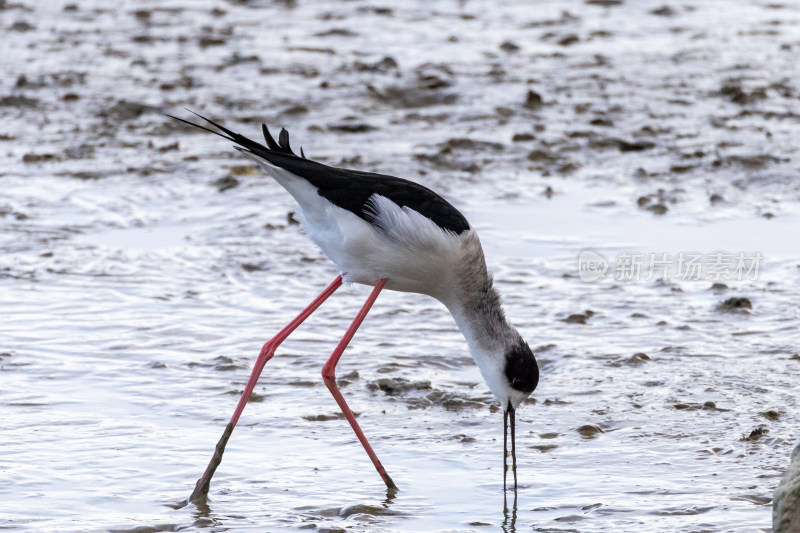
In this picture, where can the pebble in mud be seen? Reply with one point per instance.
(326, 418)
(634, 146)
(657, 202)
(368, 510)
(664, 11)
(568, 39)
(756, 434)
(351, 127)
(543, 156)
(533, 100)
(634, 360)
(694, 406)
(123, 111)
(523, 137)
(578, 318)
(39, 158)
(228, 182)
(733, 91)
(430, 87)
(410, 391)
(221, 363)
(749, 162)
(637, 359)
(589, 431)
(18, 101)
(450, 401)
(21, 26)
(462, 153)
(715, 199)
(736, 304)
(347, 379)
(387, 64)
(394, 386)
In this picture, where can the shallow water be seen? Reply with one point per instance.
(143, 264)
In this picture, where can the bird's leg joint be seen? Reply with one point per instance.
(329, 374)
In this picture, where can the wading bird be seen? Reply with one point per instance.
(391, 233)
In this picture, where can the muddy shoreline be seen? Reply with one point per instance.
(143, 264)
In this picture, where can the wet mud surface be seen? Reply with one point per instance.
(143, 264)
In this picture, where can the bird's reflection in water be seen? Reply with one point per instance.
(202, 509)
(510, 515)
(201, 514)
(202, 517)
(391, 494)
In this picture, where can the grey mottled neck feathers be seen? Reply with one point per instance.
(478, 309)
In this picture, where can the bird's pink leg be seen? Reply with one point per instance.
(267, 351)
(328, 375)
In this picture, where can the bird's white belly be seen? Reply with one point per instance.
(407, 249)
(364, 254)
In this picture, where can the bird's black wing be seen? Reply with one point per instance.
(348, 189)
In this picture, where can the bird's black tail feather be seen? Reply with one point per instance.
(281, 147)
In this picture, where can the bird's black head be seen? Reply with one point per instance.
(521, 369)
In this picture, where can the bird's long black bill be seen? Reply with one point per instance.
(508, 414)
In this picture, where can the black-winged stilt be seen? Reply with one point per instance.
(390, 233)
